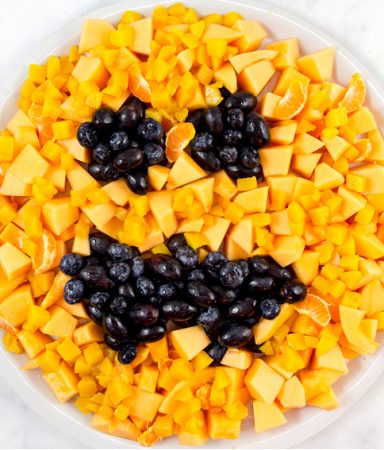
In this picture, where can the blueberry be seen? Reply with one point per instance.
(235, 118)
(131, 114)
(235, 335)
(200, 294)
(104, 118)
(245, 101)
(100, 299)
(153, 154)
(87, 135)
(149, 130)
(210, 320)
(74, 291)
(178, 310)
(196, 275)
(269, 308)
(115, 327)
(96, 170)
(293, 291)
(110, 173)
(216, 352)
(196, 118)
(119, 272)
(137, 267)
(137, 182)
(126, 290)
(128, 159)
(259, 265)
(176, 241)
(214, 120)
(164, 267)
(145, 287)
(167, 292)
(202, 142)
(127, 354)
(144, 314)
(119, 306)
(207, 160)
(231, 275)
(95, 313)
(257, 130)
(152, 333)
(242, 309)
(214, 261)
(187, 257)
(120, 252)
(260, 284)
(96, 277)
(99, 243)
(249, 157)
(71, 264)
(119, 141)
(101, 153)
(233, 137)
(228, 154)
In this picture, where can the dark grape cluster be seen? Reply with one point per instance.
(123, 144)
(229, 135)
(134, 299)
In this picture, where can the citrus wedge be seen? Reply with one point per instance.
(46, 254)
(137, 84)
(178, 137)
(293, 101)
(314, 307)
(354, 98)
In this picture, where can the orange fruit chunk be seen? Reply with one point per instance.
(45, 258)
(138, 85)
(293, 101)
(354, 98)
(7, 327)
(314, 307)
(178, 137)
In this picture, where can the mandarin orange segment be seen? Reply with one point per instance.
(354, 98)
(46, 254)
(314, 307)
(178, 137)
(293, 101)
(137, 84)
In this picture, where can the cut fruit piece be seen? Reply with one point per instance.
(90, 69)
(325, 177)
(95, 32)
(203, 192)
(287, 249)
(276, 160)
(305, 144)
(314, 307)
(119, 192)
(227, 75)
(263, 382)
(63, 383)
(188, 342)
(354, 98)
(267, 416)
(185, 170)
(14, 308)
(243, 60)
(178, 137)
(216, 31)
(215, 233)
(286, 78)
(292, 394)
(253, 35)
(283, 133)
(253, 201)
(137, 84)
(265, 329)
(45, 258)
(293, 101)
(255, 77)
(142, 36)
(305, 164)
(307, 266)
(161, 206)
(242, 234)
(157, 176)
(288, 52)
(362, 121)
(28, 165)
(13, 261)
(318, 66)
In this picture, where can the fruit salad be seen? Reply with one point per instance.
(191, 226)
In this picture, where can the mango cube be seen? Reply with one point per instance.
(188, 342)
(13, 261)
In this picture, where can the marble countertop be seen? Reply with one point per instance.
(355, 23)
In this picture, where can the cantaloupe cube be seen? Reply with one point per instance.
(233, 251)
(307, 266)
(95, 32)
(14, 308)
(288, 52)
(203, 191)
(263, 383)
(91, 68)
(243, 60)
(20, 119)
(368, 245)
(216, 31)
(28, 164)
(184, 170)
(63, 383)
(188, 342)
(280, 223)
(283, 186)
(100, 214)
(227, 75)
(287, 76)
(158, 176)
(160, 204)
(58, 177)
(13, 262)
(220, 426)
(79, 152)
(283, 133)
(377, 141)
(142, 35)
(332, 359)
(153, 237)
(253, 201)
(144, 405)
(362, 121)
(79, 178)
(326, 400)
(224, 185)
(319, 65)
(336, 146)
(237, 358)
(305, 144)
(287, 249)
(215, 233)
(265, 329)
(292, 394)
(374, 175)
(88, 333)
(325, 177)
(195, 434)
(305, 164)
(276, 160)
(61, 324)
(14, 186)
(242, 234)
(33, 343)
(253, 35)
(352, 202)
(25, 136)
(372, 298)
(255, 77)
(118, 192)
(268, 104)
(59, 214)
(267, 416)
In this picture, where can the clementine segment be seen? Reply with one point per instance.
(314, 307)
(293, 101)
(138, 85)
(46, 254)
(354, 98)
(178, 137)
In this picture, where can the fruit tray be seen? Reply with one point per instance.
(191, 227)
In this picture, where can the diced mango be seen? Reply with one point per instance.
(188, 342)
(318, 66)
(255, 77)
(267, 416)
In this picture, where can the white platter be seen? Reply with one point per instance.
(302, 424)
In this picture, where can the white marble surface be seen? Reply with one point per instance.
(357, 24)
